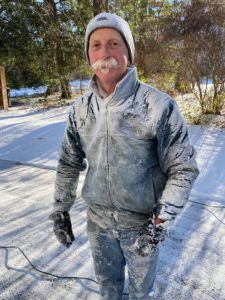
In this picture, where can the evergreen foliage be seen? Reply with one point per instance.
(177, 43)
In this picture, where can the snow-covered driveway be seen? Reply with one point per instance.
(191, 262)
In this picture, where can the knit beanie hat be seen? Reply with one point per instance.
(108, 20)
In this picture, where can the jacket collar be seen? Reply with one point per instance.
(124, 88)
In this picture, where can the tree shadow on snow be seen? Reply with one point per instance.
(191, 258)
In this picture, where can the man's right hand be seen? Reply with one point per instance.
(62, 227)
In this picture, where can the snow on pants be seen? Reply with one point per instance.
(113, 249)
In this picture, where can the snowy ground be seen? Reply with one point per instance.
(191, 264)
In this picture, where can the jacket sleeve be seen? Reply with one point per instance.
(71, 162)
(177, 161)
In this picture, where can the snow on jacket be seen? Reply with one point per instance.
(137, 148)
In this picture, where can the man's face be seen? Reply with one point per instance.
(105, 44)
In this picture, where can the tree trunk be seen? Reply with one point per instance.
(3, 89)
(51, 90)
(66, 90)
(81, 87)
(100, 6)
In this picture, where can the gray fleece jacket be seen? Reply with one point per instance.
(136, 146)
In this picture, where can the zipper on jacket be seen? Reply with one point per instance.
(108, 165)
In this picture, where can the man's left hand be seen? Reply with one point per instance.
(149, 237)
(158, 221)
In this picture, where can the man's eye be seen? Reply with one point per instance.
(95, 45)
(114, 44)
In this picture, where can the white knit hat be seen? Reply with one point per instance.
(107, 20)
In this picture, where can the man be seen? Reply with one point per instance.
(140, 164)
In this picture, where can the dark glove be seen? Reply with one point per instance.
(149, 238)
(62, 227)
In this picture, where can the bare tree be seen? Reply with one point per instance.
(198, 28)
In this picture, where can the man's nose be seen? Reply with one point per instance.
(105, 51)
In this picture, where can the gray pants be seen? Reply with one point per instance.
(112, 250)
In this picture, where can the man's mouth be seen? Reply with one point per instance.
(105, 70)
